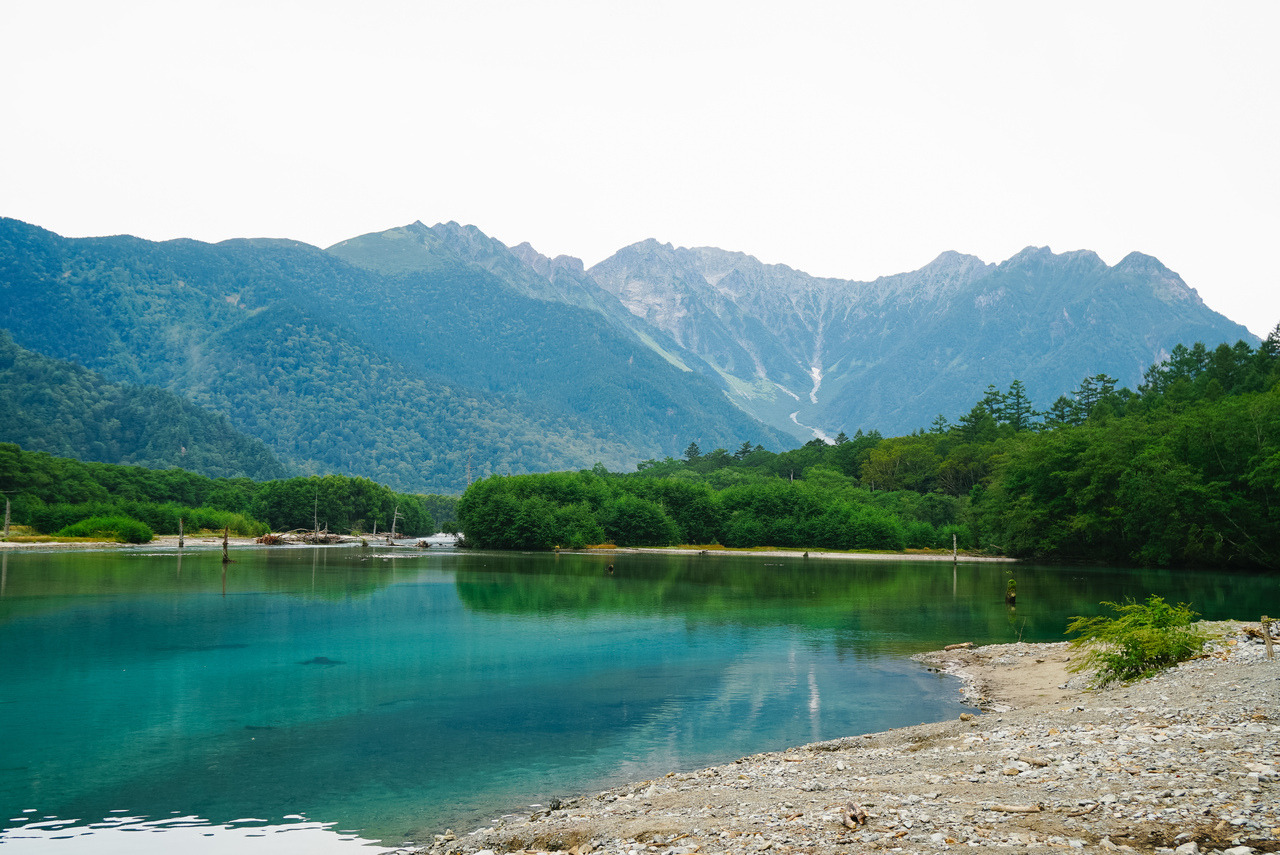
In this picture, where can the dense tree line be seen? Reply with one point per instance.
(822, 510)
(1184, 470)
(50, 493)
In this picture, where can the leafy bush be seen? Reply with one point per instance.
(122, 529)
(1142, 639)
(159, 518)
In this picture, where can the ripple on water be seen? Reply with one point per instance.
(191, 835)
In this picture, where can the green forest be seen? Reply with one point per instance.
(61, 408)
(1183, 471)
(52, 495)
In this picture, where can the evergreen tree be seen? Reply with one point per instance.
(977, 425)
(1063, 412)
(1017, 407)
(1271, 347)
(1094, 389)
(993, 402)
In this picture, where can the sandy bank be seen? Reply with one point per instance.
(202, 541)
(163, 541)
(1186, 760)
(800, 553)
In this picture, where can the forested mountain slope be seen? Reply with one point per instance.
(406, 377)
(65, 410)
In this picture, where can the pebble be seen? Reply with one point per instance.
(1182, 763)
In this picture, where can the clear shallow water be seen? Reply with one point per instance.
(334, 696)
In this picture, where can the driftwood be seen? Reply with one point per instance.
(1017, 808)
(852, 815)
(964, 645)
(306, 535)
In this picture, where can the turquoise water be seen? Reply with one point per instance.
(333, 696)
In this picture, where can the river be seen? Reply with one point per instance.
(334, 699)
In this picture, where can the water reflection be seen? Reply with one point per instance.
(393, 692)
(900, 604)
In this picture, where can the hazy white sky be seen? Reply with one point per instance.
(849, 139)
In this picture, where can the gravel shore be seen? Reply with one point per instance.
(1184, 762)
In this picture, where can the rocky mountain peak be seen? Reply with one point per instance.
(1165, 284)
(530, 256)
(1037, 261)
(957, 266)
(952, 260)
(568, 262)
(544, 266)
(1142, 264)
(463, 237)
(648, 246)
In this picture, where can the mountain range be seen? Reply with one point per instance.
(830, 355)
(422, 356)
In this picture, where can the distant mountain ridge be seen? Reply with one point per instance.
(421, 355)
(419, 248)
(893, 353)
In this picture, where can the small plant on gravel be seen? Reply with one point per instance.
(1141, 639)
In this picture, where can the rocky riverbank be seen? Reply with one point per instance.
(1184, 762)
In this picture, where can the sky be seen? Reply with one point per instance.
(847, 139)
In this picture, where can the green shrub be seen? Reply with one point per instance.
(1142, 639)
(121, 529)
(920, 534)
(964, 537)
(159, 518)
